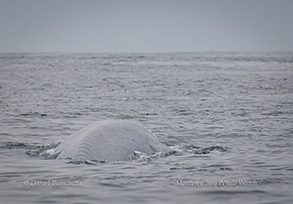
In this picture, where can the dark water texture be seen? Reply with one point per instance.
(228, 117)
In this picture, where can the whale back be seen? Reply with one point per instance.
(109, 141)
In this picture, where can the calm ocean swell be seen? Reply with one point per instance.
(227, 116)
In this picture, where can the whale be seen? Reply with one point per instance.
(109, 140)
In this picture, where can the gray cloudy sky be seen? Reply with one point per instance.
(145, 26)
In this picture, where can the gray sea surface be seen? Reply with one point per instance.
(228, 117)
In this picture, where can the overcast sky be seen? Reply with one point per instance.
(145, 25)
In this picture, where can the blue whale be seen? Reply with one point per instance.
(110, 140)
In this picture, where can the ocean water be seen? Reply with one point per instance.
(227, 116)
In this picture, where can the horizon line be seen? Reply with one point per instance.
(147, 52)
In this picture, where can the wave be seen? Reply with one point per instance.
(33, 150)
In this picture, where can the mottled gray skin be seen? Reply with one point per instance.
(109, 141)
